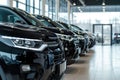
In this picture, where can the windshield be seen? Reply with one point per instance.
(64, 25)
(31, 19)
(58, 25)
(45, 22)
(75, 28)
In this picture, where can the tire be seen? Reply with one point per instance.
(2, 74)
(51, 77)
(12, 77)
(0, 78)
(7, 76)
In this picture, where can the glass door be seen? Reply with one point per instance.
(107, 34)
(103, 33)
(98, 33)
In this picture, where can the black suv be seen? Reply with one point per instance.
(90, 38)
(84, 42)
(28, 52)
(70, 42)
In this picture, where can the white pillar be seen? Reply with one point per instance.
(68, 12)
(10, 3)
(43, 7)
(57, 7)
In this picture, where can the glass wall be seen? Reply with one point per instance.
(31, 6)
(3, 2)
(50, 9)
(86, 20)
(63, 15)
(35, 7)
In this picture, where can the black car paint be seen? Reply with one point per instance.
(12, 58)
(36, 33)
(83, 42)
(72, 50)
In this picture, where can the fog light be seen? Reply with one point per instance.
(25, 68)
(66, 49)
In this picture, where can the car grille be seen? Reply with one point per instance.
(57, 50)
(52, 44)
(76, 42)
(58, 58)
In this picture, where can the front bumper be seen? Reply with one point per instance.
(72, 50)
(40, 64)
(60, 69)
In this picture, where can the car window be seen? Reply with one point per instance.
(8, 16)
(30, 18)
(45, 22)
(65, 25)
(0, 18)
(58, 25)
(75, 28)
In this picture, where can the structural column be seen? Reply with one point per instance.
(57, 7)
(10, 3)
(43, 7)
(68, 11)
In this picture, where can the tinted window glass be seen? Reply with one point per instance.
(8, 16)
(58, 25)
(31, 19)
(45, 21)
(65, 25)
(76, 28)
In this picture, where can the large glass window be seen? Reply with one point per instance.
(31, 2)
(63, 15)
(23, 1)
(31, 6)
(36, 11)
(86, 20)
(3, 2)
(31, 10)
(37, 3)
(14, 3)
(50, 9)
(21, 6)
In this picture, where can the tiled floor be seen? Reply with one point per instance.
(101, 63)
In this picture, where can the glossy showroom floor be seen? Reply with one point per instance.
(101, 63)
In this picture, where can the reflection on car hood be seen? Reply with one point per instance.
(58, 30)
(24, 31)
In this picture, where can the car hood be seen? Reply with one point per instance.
(59, 31)
(67, 32)
(25, 31)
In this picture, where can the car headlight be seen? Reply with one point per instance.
(25, 68)
(64, 37)
(24, 43)
(79, 36)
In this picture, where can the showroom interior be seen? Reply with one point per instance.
(59, 40)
